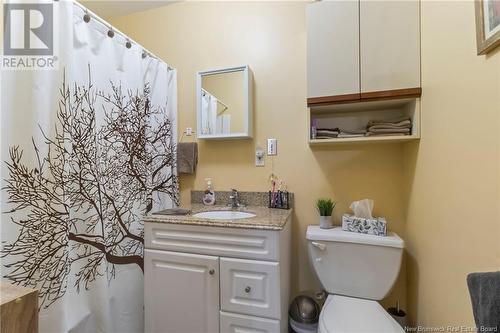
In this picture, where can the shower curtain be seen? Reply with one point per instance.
(86, 151)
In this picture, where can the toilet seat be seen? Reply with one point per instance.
(343, 314)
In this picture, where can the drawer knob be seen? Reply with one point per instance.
(211, 272)
(247, 289)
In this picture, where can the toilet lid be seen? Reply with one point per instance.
(343, 314)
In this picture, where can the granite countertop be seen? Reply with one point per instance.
(265, 219)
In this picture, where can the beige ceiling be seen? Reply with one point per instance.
(114, 8)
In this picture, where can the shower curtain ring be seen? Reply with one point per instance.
(111, 33)
(86, 17)
(128, 44)
(144, 54)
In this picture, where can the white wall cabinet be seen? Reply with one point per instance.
(225, 280)
(333, 48)
(389, 45)
(362, 50)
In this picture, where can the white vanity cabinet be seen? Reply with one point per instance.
(216, 279)
(182, 292)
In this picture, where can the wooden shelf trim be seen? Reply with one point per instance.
(391, 94)
(337, 99)
(364, 139)
(365, 97)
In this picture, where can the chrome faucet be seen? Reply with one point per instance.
(234, 200)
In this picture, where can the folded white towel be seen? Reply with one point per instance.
(353, 131)
(406, 122)
(348, 135)
(389, 126)
(386, 134)
(390, 130)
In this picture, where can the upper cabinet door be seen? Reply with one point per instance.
(390, 45)
(332, 48)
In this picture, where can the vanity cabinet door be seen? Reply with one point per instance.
(238, 323)
(390, 45)
(250, 287)
(181, 292)
(332, 49)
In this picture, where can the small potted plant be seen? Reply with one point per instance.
(325, 208)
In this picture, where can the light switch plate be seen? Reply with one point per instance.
(272, 148)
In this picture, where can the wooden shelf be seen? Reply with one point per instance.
(364, 139)
(365, 97)
(357, 115)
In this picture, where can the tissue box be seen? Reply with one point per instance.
(376, 226)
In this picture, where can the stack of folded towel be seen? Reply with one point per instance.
(401, 126)
(352, 133)
(327, 133)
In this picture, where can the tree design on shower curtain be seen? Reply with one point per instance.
(79, 207)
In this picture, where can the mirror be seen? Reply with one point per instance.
(224, 108)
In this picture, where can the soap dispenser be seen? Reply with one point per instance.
(209, 197)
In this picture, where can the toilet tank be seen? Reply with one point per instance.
(354, 264)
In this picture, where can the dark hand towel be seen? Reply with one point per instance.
(484, 289)
(187, 157)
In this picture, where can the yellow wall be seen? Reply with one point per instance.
(271, 38)
(453, 224)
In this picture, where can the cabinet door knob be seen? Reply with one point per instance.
(247, 289)
(211, 272)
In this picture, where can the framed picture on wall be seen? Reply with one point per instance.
(487, 25)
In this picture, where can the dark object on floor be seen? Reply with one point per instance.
(173, 211)
(398, 315)
(304, 309)
(187, 157)
(484, 289)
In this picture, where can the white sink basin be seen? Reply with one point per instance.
(224, 215)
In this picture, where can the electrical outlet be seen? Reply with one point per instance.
(259, 158)
(272, 147)
(189, 131)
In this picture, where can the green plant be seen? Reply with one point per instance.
(325, 206)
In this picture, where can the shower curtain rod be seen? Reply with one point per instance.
(218, 100)
(115, 30)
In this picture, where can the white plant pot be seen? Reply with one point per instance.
(325, 222)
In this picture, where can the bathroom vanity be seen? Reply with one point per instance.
(217, 274)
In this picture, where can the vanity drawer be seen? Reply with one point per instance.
(250, 287)
(236, 323)
(225, 242)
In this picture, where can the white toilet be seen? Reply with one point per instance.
(356, 270)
